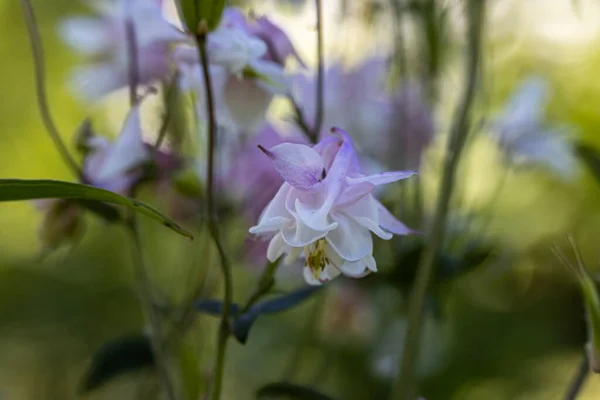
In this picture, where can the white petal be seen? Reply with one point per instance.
(383, 178)
(97, 80)
(308, 277)
(355, 269)
(365, 212)
(292, 255)
(300, 235)
(86, 35)
(234, 48)
(272, 77)
(128, 152)
(353, 193)
(268, 225)
(388, 222)
(247, 115)
(276, 248)
(276, 207)
(350, 240)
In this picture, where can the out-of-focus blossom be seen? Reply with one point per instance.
(63, 222)
(355, 99)
(245, 75)
(326, 209)
(114, 165)
(105, 40)
(412, 128)
(524, 137)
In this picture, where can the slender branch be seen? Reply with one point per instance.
(143, 281)
(145, 295)
(301, 120)
(170, 100)
(583, 371)
(320, 71)
(213, 226)
(265, 283)
(37, 50)
(132, 54)
(404, 385)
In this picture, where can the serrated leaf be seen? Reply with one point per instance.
(117, 357)
(23, 189)
(285, 390)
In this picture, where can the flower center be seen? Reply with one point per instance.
(316, 259)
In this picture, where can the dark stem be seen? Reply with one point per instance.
(404, 386)
(132, 55)
(171, 93)
(37, 50)
(583, 371)
(301, 120)
(213, 226)
(320, 72)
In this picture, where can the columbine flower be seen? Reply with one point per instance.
(244, 75)
(104, 38)
(326, 209)
(114, 165)
(525, 139)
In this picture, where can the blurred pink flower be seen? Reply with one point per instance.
(325, 208)
(104, 39)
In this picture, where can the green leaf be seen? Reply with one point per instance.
(117, 357)
(22, 189)
(284, 390)
(193, 12)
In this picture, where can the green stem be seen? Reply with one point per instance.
(37, 50)
(404, 386)
(213, 226)
(146, 299)
(265, 283)
(320, 73)
(583, 371)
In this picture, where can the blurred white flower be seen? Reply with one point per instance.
(524, 137)
(104, 39)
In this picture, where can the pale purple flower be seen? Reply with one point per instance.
(524, 137)
(245, 78)
(326, 209)
(412, 128)
(115, 165)
(353, 98)
(104, 39)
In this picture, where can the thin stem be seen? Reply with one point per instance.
(37, 50)
(265, 283)
(583, 371)
(301, 120)
(320, 71)
(133, 61)
(213, 226)
(170, 100)
(400, 48)
(404, 385)
(146, 299)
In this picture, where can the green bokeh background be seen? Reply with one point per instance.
(513, 331)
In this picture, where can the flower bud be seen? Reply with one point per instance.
(193, 13)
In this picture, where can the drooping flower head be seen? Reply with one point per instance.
(326, 209)
(105, 39)
(523, 135)
(245, 75)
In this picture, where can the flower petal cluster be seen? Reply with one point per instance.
(525, 138)
(326, 209)
(105, 40)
